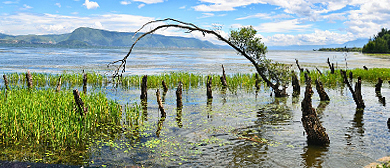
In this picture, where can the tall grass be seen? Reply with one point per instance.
(46, 116)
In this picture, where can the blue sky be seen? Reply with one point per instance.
(278, 22)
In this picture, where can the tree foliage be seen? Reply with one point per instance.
(245, 39)
(380, 43)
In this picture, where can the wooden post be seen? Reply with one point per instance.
(79, 102)
(257, 82)
(85, 80)
(59, 84)
(159, 126)
(223, 77)
(160, 105)
(209, 91)
(144, 87)
(321, 91)
(179, 102)
(365, 68)
(295, 85)
(299, 67)
(164, 86)
(318, 71)
(5, 82)
(331, 66)
(179, 96)
(29, 79)
(388, 123)
(316, 133)
(356, 94)
(378, 86)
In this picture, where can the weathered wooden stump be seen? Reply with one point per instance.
(59, 84)
(85, 81)
(223, 77)
(159, 126)
(331, 66)
(209, 90)
(295, 84)
(144, 87)
(5, 82)
(356, 94)
(378, 85)
(319, 71)
(299, 67)
(179, 97)
(160, 105)
(164, 86)
(316, 133)
(321, 91)
(179, 109)
(365, 68)
(144, 105)
(388, 123)
(79, 102)
(29, 79)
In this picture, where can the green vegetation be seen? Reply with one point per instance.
(341, 49)
(380, 43)
(94, 37)
(333, 80)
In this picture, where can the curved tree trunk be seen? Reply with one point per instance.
(279, 92)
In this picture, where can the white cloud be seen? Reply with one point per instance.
(206, 15)
(283, 26)
(223, 5)
(11, 2)
(25, 7)
(90, 4)
(266, 16)
(140, 6)
(182, 7)
(58, 4)
(27, 23)
(150, 1)
(319, 37)
(125, 2)
(74, 13)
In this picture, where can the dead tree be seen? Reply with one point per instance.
(160, 105)
(299, 67)
(79, 102)
(295, 85)
(209, 90)
(321, 91)
(331, 66)
(279, 92)
(316, 133)
(29, 79)
(144, 88)
(223, 77)
(59, 84)
(356, 94)
(318, 71)
(5, 82)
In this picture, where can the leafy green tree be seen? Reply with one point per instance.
(380, 44)
(245, 39)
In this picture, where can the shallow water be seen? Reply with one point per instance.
(205, 133)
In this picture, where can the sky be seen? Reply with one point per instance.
(278, 22)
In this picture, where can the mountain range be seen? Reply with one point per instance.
(84, 36)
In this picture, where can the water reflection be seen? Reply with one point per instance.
(209, 108)
(313, 155)
(321, 108)
(381, 99)
(144, 104)
(356, 130)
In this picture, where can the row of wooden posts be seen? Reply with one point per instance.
(79, 102)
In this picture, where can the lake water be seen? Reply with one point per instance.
(208, 133)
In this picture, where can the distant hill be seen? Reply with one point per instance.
(350, 44)
(84, 36)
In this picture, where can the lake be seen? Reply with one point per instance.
(205, 134)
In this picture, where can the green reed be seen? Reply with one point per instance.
(46, 116)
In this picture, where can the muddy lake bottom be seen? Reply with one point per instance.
(214, 133)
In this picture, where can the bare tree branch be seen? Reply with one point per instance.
(193, 28)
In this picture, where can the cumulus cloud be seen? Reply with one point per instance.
(266, 16)
(283, 26)
(11, 2)
(90, 4)
(28, 23)
(140, 6)
(125, 2)
(150, 1)
(58, 4)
